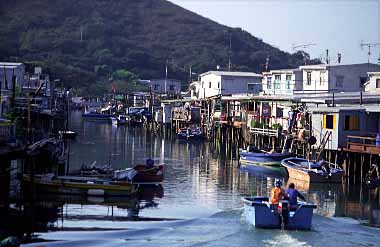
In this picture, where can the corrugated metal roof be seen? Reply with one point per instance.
(232, 73)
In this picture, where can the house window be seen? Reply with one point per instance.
(171, 87)
(329, 121)
(269, 83)
(218, 84)
(351, 122)
(251, 87)
(308, 82)
(209, 84)
(288, 81)
(377, 83)
(203, 84)
(339, 81)
(277, 81)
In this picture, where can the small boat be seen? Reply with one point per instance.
(190, 133)
(258, 212)
(257, 156)
(97, 116)
(254, 169)
(68, 134)
(122, 119)
(77, 185)
(312, 171)
(141, 174)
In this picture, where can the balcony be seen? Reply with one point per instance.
(362, 144)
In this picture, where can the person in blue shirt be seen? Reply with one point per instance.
(292, 195)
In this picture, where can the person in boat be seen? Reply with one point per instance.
(292, 194)
(149, 163)
(277, 194)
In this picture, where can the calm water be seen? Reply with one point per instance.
(202, 191)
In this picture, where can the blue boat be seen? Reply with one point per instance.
(256, 156)
(97, 116)
(258, 212)
(190, 133)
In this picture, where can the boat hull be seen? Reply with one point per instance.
(97, 117)
(310, 175)
(268, 159)
(257, 212)
(61, 185)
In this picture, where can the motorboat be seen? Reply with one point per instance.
(190, 133)
(256, 156)
(260, 213)
(141, 174)
(79, 185)
(312, 171)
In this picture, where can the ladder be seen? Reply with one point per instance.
(322, 145)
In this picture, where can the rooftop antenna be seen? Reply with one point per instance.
(301, 47)
(369, 46)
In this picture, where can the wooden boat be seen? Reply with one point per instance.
(256, 156)
(77, 185)
(311, 171)
(141, 174)
(258, 212)
(190, 133)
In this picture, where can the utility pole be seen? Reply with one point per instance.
(229, 55)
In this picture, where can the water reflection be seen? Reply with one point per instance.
(201, 179)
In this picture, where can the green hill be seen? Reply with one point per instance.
(83, 41)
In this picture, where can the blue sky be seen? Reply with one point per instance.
(337, 25)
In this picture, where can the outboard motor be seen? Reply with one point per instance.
(283, 208)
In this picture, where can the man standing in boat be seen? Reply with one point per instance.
(292, 193)
(277, 194)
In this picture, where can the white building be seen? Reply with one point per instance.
(7, 71)
(195, 88)
(373, 84)
(321, 78)
(282, 82)
(215, 83)
(165, 86)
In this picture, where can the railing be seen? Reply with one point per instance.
(264, 131)
(362, 144)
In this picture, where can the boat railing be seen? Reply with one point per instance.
(362, 144)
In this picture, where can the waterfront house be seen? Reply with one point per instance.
(195, 88)
(164, 86)
(8, 73)
(218, 83)
(373, 84)
(282, 82)
(321, 78)
(345, 123)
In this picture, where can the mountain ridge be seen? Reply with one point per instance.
(85, 41)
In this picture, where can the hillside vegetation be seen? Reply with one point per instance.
(87, 41)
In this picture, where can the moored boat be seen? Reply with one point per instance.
(190, 133)
(312, 171)
(77, 185)
(259, 213)
(141, 174)
(256, 156)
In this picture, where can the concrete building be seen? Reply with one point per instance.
(164, 86)
(282, 82)
(373, 84)
(321, 78)
(215, 83)
(7, 71)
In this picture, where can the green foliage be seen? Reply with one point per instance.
(255, 124)
(84, 41)
(276, 126)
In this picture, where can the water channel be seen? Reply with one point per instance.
(199, 201)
